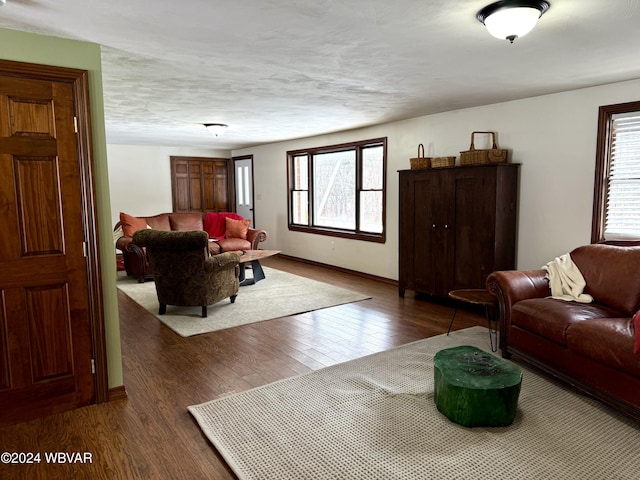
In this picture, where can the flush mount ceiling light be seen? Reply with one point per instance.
(216, 128)
(510, 19)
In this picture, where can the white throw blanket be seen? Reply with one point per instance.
(566, 281)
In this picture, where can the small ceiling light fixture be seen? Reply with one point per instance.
(216, 128)
(510, 19)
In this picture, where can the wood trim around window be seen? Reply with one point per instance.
(335, 232)
(605, 114)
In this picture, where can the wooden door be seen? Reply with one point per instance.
(180, 185)
(200, 184)
(45, 318)
(195, 185)
(215, 191)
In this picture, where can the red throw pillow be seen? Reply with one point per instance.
(131, 225)
(236, 228)
(636, 326)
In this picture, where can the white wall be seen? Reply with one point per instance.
(140, 177)
(552, 136)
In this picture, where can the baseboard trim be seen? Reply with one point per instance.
(341, 269)
(117, 393)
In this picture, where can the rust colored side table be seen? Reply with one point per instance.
(478, 296)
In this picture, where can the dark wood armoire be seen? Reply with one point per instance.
(457, 225)
(201, 184)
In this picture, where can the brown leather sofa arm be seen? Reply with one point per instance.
(517, 285)
(255, 236)
(126, 245)
(512, 286)
(123, 243)
(135, 261)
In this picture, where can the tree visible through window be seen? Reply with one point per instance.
(339, 190)
(616, 211)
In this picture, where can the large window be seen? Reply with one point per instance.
(616, 207)
(339, 190)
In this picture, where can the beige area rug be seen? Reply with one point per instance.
(280, 294)
(375, 418)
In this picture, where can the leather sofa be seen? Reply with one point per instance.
(134, 257)
(588, 345)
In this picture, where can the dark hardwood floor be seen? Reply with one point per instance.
(151, 435)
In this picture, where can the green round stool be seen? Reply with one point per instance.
(474, 388)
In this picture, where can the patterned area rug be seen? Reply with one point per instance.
(375, 418)
(280, 294)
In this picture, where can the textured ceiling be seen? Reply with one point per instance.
(282, 69)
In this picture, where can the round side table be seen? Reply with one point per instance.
(478, 296)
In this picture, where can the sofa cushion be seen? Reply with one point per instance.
(605, 340)
(234, 244)
(611, 273)
(186, 221)
(131, 224)
(159, 222)
(550, 317)
(214, 223)
(236, 228)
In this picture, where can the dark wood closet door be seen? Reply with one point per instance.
(45, 331)
(474, 199)
(428, 224)
(200, 184)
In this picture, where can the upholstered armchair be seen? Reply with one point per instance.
(185, 273)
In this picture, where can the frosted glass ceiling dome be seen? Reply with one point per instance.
(510, 19)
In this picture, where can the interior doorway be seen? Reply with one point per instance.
(243, 167)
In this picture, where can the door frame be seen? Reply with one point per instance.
(235, 192)
(79, 80)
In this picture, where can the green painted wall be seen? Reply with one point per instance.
(45, 50)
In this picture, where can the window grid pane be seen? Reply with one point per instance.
(300, 207)
(371, 211)
(372, 168)
(334, 190)
(301, 172)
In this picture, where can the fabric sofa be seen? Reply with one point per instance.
(227, 232)
(593, 346)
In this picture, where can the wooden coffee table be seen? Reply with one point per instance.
(253, 257)
(488, 301)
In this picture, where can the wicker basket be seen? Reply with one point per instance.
(420, 161)
(439, 162)
(478, 157)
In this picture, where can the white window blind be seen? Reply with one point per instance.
(622, 221)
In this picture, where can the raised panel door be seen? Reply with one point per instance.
(221, 194)
(196, 196)
(200, 184)
(45, 339)
(180, 185)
